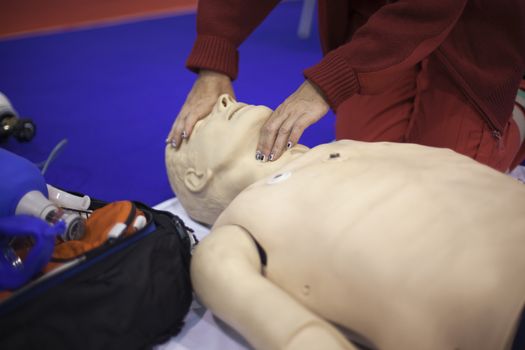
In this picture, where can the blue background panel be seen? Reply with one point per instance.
(113, 92)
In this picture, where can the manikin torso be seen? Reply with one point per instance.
(365, 236)
(409, 247)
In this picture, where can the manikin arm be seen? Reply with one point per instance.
(226, 275)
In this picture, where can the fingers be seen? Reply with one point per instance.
(184, 124)
(268, 134)
(179, 130)
(281, 131)
(199, 103)
(286, 125)
(289, 134)
(175, 135)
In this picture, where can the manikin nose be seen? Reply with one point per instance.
(225, 101)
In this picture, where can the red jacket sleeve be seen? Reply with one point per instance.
(394, 38)
(221, 27)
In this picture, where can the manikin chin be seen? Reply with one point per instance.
(218, 160)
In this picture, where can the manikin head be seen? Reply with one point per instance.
(218, 161)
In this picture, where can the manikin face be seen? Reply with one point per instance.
(218, 160)
(226, 139)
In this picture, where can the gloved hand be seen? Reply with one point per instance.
(15, 271)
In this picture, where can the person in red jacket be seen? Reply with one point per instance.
(441, 73)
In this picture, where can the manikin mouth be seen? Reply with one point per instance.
(237, 109)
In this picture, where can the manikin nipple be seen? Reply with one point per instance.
(279, 178)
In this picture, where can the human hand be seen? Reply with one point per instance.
(199, 103)
(288, 122)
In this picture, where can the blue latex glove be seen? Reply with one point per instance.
(15, 272)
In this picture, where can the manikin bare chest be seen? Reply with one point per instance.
(383, 250)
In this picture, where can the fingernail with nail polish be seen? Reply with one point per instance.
(270, 157)
(258, 155)
(173, 144)
(184, 134)
(289, 144)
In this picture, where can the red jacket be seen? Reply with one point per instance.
(480, 42)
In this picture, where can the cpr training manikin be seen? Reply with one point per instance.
(350, 244)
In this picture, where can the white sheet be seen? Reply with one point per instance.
(201, 330)
(518, 173)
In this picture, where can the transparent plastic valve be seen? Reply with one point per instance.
(36, 204)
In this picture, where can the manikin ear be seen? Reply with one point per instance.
(195, 180)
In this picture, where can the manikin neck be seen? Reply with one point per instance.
(290, 155)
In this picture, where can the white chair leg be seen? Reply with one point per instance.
(307, 16)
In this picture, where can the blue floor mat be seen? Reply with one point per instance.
(113, 93)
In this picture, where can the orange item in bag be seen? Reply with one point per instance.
(111, 221)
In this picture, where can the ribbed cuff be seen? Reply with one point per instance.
(335, 78)
(214, 53)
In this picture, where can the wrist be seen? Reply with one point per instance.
(213, 75)
(317, 91)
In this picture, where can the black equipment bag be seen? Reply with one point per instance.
(131, 293)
